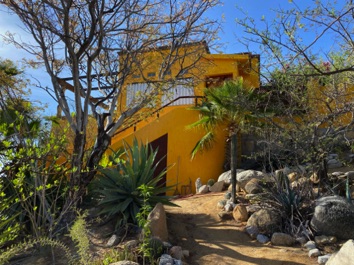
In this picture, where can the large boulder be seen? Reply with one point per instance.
(240, 213)
(217, 187)
(245, 176)
(158, 223)
(345, 256)
(282, 239)
(334, 216)
(226, 176)
(267, 221)
(253, 186)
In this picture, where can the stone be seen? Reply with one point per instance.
(262, 239)
(333, 216)
(166, 259)
(267, 221)
(337, 173)
(282, 239)
(301, 240)
(224, 215)
(227, 195)
(158, 223)
(323, 259)
(253, 186)
(245, 176)
(124, 262)
(252, 208)
(345, 256)
(301, 182)
(252, 231)
(229, 206)
(198, 184)
(226, 176)
(292, 176)
(185, 253)
(240, 213)
(113, 240)
(131, 244)
(203, 189)
(314, 253)
(325, 240)
(176, 252)
(217, 187)
(221, 204)
(314, 178)
(310, 245)
(350, 174)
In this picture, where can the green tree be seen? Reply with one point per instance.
(233, 105)
(307, 64)
(99, 43)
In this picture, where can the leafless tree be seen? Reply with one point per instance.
(99, 43)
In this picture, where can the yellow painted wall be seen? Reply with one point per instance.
(181, 141)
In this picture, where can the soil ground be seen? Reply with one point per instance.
(195, 226)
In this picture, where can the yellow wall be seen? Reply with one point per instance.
(181, 141)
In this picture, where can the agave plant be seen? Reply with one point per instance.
(117, 186)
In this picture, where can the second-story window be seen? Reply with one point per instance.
(151, 74)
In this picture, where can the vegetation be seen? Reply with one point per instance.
(117, 189)
(232, 104)
(98, 43)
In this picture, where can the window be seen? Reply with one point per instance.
(151, 74)
(216, 81)
(179, 90)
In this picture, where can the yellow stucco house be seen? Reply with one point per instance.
(164, 124)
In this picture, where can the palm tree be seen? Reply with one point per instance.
(233, 105)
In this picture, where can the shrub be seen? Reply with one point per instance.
(116, 188)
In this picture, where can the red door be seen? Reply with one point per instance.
(160, 144)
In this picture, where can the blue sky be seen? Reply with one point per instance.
(228, 37)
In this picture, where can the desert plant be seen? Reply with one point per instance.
(79, 234)
(117, 188)
(211, 182)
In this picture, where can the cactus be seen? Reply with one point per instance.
(211, 182)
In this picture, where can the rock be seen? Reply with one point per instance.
(267, 221)
(166, 245)
(185, 253)
(158, 224)
(124, 262)
(229, 206)
(334, 216)
(334, 163)
(252, 208)
(252, 231)
(262, 239)
(217, 187)
(337, 174)
(323, 259)
(198, 184)
(314, 178)
(292, 176)
(114, 239)
(282, 239)
(131, 244)
(226, 176)
(345, 256)
(227, 195)
(224, 215)
(301, 240)
(314, 253)
(299, 183)
(310, 245)
(350, 174)
(221, 204)
(253, 186)
(203, 189)
(176, 252)
(245, 176)
(325, 240)
(166, 259)
(240, 213)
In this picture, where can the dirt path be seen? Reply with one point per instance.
(196, 227)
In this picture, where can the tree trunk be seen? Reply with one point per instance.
(233, 165)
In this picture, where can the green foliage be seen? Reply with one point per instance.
(32, 183)
(117, 188)
(114, 255)
(7, 254)
(79, 234)
(155, 245)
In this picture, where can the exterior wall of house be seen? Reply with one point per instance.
(173, 120)
(180, 143)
